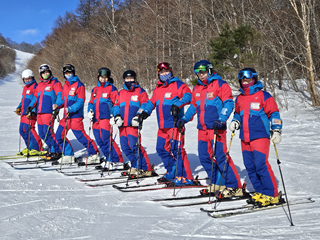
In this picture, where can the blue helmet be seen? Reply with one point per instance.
(203, 65)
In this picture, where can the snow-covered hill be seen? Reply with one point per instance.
(38, 204)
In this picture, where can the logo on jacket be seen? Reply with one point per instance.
(276, 121)
(28, 92)
(71, 93)
(167, 95)
(255, 106)
(48, 88)
(210, 95)
(134, 98)
(105, 95)
(197, 94)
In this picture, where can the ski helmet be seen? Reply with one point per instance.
(164, 65)
(248, 73)
(27, 73)
(203, 65)
(43, 68)
(69, 68)
(130, 73)
(104, 72)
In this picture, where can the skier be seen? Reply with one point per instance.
(72, 102)
(255, 111)
(103, 97)
(169, 97)
(47, 93)
(28, 121)
(212, 101)
(129, 100)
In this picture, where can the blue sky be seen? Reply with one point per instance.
(31, 20)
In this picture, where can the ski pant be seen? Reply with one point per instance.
(76, 125)
(45, 128)
(168, 152)
(255, 157)
(205, 150)
(133, 149)
(103, 136)
(34, 142)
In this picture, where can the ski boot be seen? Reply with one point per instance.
(211, 188)
(254, 198)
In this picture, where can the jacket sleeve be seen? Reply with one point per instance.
(34, 100)
(227, 102)
(191, 111)
(272, 111)
(149, 105)
(184, 95)
(90, 104)
(58, 90)
(236, 116)
(116, 107)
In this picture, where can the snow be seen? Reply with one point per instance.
(37, 204)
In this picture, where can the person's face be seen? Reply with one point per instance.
(202, 75)
(68, 74)
(28, 79)
(246, 81)
(129, 79)
(45, 73)
(164, 72)
(103, 79)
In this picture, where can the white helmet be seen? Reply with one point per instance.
(27, 73)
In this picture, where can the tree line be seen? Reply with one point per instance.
(279, 38)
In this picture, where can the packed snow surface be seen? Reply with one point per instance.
(37, 204)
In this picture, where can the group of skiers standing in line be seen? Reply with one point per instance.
(256, 115)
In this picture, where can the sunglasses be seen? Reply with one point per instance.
(246, 74)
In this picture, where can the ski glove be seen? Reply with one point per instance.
(91, 114)
(234, 125)
(175, 111)
(118, 120)
(29, 110)
(135, 121)
(181, 123)
(18, 111)
(276, 136)
(30, 115)
(217, 124)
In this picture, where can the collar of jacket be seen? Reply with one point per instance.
(48, 80)
(210, 79)
(133, 86)
(166, 83)
(73, 79)
(30, 83)
(252, 90)
(105, 84)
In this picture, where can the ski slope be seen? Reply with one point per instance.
(37, 204)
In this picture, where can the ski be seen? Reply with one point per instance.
(90, 171)
(40, 165)
(138, 186)
(30, 161)
(252, 209)
(159, 188)
(125, 179)
(214, 200)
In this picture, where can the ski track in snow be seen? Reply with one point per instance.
(37, 204)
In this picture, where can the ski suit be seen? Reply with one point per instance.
(127, 105)
(256, 110)
(172, 91)
(47, 93)
(27, 96)
(213, 101)
(103, 97)
(73, 98)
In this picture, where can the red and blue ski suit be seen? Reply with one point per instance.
(47, 93)
(172, 91)
(27, 96)
(127, 105)
(73, 98)
(103, 98)
(213, 101)
(257, 110)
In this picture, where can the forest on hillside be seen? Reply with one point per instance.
(279, 38)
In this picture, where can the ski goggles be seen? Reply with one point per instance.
(246, 74)
(67, 69)
(165, 66)
(44, 68)
(201, 68)
(103, 73)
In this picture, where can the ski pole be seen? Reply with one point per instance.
(29, 130)
(45, 137)
(175, 175)
(284, 188)
(134, 153)
(88, 144)
(224, 167)
(19, 143)
(138, 156)
(213, 159)
(64, 140)
(109, 154)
